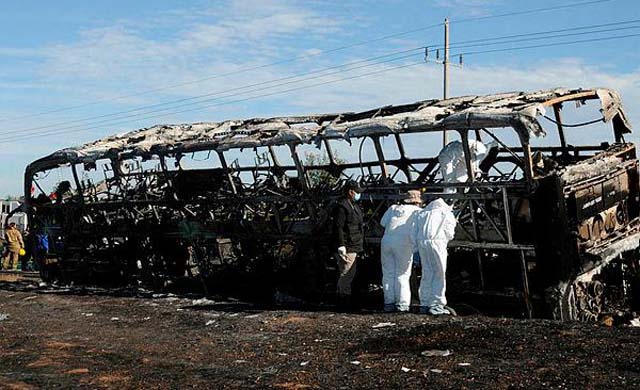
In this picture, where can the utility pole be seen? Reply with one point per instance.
(445, 64)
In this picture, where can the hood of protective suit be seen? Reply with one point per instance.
(434, 222)
(453, 167)
(398, 221)
(438, 204)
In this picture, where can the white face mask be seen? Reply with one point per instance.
(356, 197)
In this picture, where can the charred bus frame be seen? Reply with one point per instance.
(543, 224)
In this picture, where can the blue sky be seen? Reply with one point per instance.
(69, 53)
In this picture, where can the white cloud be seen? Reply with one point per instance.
(221, 39)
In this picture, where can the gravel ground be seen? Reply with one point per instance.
(66, 339)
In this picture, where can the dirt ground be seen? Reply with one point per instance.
(71, 339)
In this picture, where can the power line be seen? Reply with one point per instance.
(232, 73)
(119, 115)
(321, 70)
(548, 45)
(109, 122)
(63, 131)
(459, 44)
(194, 99)
(297, 58)
(545, 37)
(531, 11)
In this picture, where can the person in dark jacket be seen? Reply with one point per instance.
(348, 229)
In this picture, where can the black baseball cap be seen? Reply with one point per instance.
(353, 185)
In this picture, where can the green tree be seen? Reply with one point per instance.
(320, 177)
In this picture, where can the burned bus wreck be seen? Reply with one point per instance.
(243, 204)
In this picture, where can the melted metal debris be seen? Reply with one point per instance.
(590, 168)
(513, 109)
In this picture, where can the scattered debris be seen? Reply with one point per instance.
(4, 317)
(115, 318)
(30, 298)
(635, 322)
(383, 325)
(405, 369)
(436, 371)
(202, 302)
(90, 315)
(49, 341)
(55, 290)
(607, 320)
(210, 322)
(436, 352)
(304, 363)
(240, 361)
(78, 371)
(320, 340)
(269, 371)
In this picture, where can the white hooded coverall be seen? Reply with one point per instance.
(397, 256)
(434, 227)
(453, 167)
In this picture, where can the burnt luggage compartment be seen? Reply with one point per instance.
(548, 229)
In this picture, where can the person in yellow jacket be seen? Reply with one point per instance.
(13, 245)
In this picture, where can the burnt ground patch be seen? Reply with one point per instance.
(115, 341)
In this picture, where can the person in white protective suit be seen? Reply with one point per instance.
(453, 167)
(397, 252)
(434, 227)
